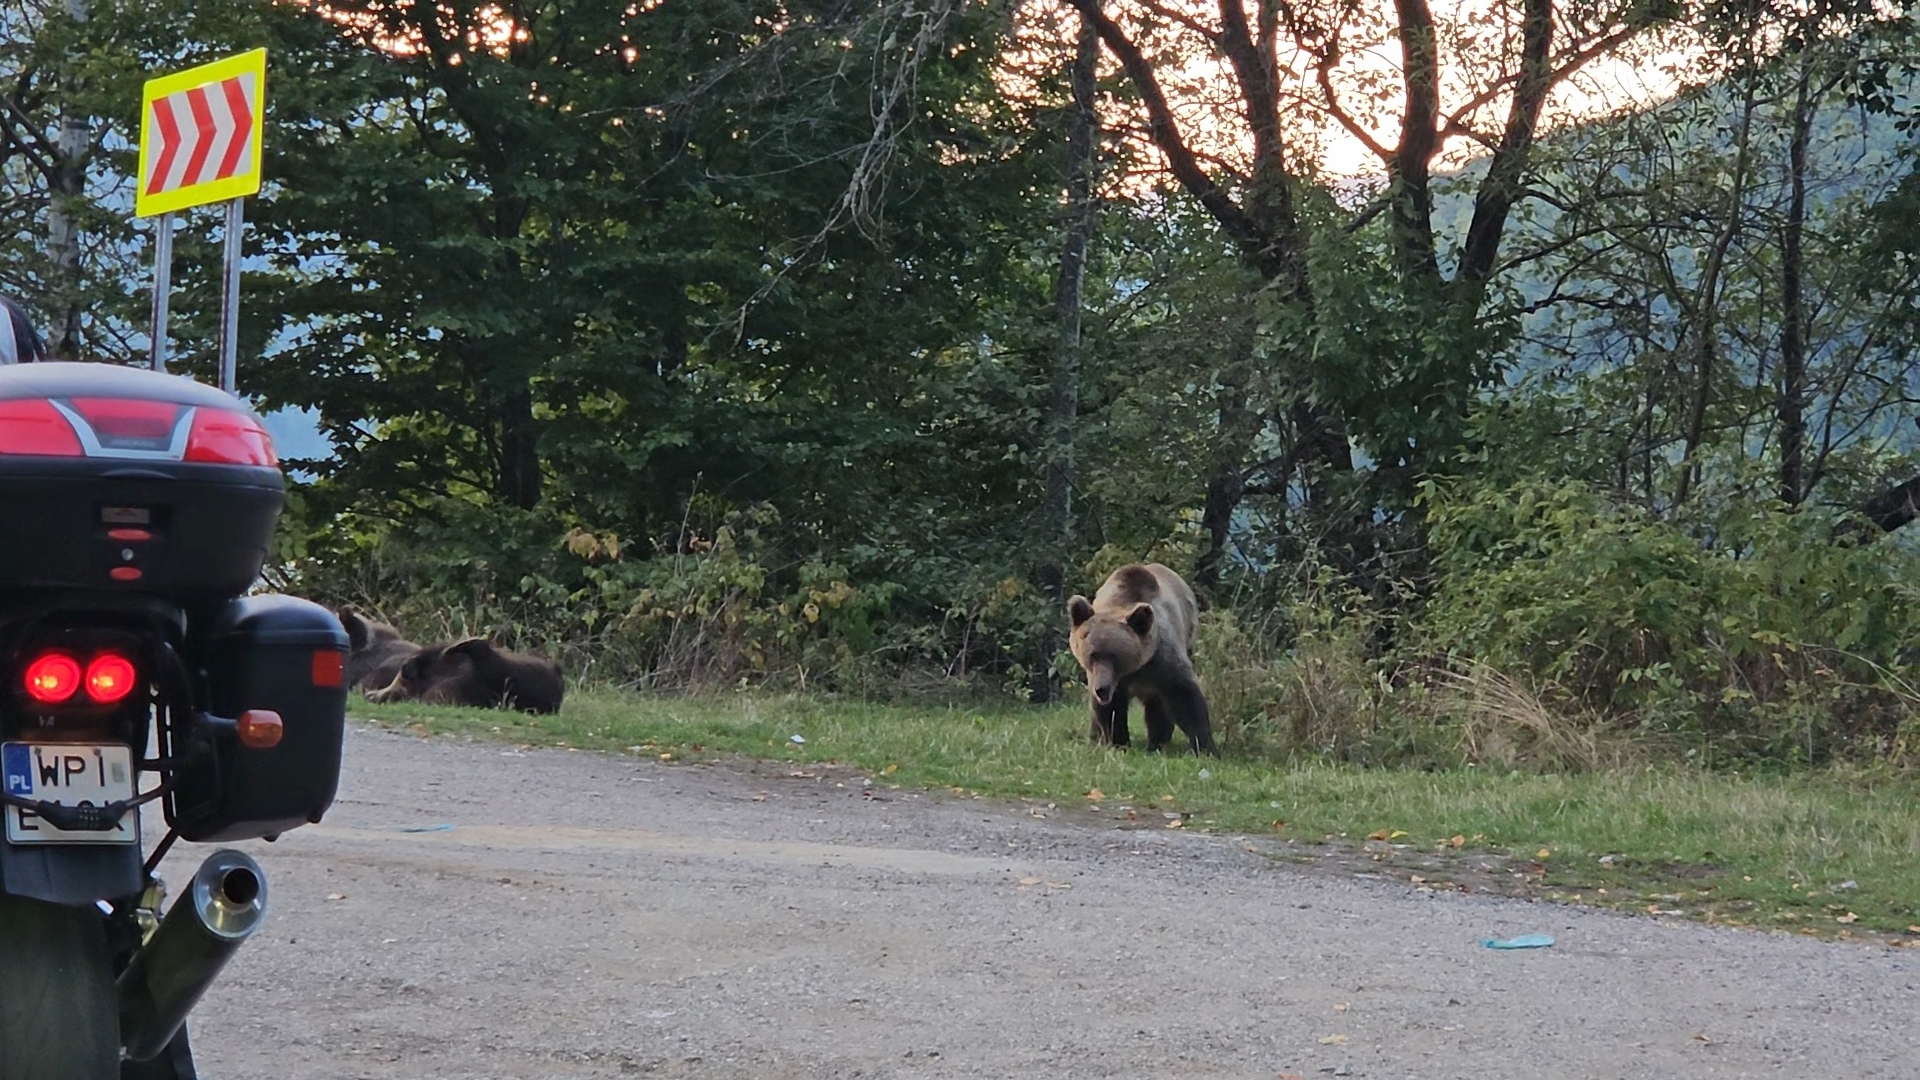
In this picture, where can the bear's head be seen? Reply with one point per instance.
(364, 633)
(1110, 645)
(461, 673)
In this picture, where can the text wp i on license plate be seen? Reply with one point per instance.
(70, 775)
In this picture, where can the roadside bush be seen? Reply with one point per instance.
(1756, 634)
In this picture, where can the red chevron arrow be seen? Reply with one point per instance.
(211, 125)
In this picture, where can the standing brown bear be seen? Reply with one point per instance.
(1135, 640)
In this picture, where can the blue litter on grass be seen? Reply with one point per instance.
(427, 828)
(1524, 941)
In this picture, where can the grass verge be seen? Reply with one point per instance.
(1830, 853)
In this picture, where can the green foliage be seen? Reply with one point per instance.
(1757, 633)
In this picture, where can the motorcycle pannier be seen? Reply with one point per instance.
(282, 654)
(119, 479)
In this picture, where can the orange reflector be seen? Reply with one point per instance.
(260, 729)
(53, 678)
(110, 677)
(329, 667)
(124, 573)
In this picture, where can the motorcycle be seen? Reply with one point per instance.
(136, 512)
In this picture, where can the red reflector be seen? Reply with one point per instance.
(229, 438)
(53, 678)
(34, 426)
(131, 536)
(329, 667)
(123, 424)
(124, 573)
(110, 677)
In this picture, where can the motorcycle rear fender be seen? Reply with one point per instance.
(70, 873)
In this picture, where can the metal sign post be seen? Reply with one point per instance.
(230, 296)
(162, 288)
(199, 144)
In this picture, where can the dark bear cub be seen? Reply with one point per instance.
(1134, 639)
(375, 651)
(475, 672)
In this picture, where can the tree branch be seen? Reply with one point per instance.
(1165, 131)
(1502, 184)
(1322, 73)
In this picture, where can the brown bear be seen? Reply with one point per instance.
(475, 672)
(1134, 639)
(375, 651)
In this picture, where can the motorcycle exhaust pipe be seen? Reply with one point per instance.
(222, 907)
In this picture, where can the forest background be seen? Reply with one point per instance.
(1498, 413)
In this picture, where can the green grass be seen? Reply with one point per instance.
(1773, 850)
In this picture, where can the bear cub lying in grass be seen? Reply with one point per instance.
(1134, 639)
(387, 667)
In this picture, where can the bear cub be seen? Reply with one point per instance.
(375, 651)
(1134, 639)
(475, 672)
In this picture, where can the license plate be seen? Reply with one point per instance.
(70, 774)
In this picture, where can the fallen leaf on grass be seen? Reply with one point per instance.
(1176, 823)
(1095, 795)
(1543, 853)
(1848, 918)
(1457, 841)
(1334, 1040)
(1278, 825)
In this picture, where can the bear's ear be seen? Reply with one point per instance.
(1079, 610)
(1141, 619)
(355, 626)
(477, 648)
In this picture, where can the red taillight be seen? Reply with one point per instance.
(129, 424)
(229, 438)
(52, 678)
(110, 677)
(34, 426)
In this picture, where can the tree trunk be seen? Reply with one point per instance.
(1702, 324)
(519, 450)
(67, 185)
(1793, 331)
(1063, 404)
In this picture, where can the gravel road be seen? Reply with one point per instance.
(475, 911)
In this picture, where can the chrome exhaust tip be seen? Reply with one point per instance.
(222, 907)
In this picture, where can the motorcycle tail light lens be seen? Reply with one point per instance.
(229, 438)
(52, 678)
(110, 678)
(33, 426)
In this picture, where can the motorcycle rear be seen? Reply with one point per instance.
(136, 511)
